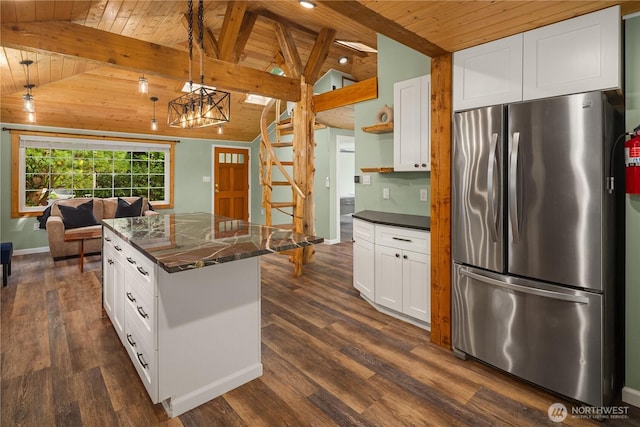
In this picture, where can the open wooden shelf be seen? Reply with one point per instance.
(381, 128)
(377, 170)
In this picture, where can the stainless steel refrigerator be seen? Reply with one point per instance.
(534, 243)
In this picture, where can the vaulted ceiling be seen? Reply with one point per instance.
(88, 55)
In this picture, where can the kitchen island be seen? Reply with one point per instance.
(183, 293)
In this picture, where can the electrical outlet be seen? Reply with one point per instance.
(385, 193)
(424, 194)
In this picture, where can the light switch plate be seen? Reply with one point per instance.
(385, 193)
(366, 179)
(206, 179)
(424, 194)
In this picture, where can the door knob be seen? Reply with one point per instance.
(217, 190)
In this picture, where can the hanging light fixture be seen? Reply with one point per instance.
(143, 84)
(28, 103)
(202, 106)
(154, 122)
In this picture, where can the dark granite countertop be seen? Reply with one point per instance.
(418, 222)
(178, 242)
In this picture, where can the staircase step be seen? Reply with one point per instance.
(282, 144)
(283, 183)
(284, 124)
(282, 204)
(282, 163)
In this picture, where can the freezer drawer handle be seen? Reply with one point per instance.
(490, 190)
(513, 187)
(524, 289)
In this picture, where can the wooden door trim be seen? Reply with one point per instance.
(213, 174)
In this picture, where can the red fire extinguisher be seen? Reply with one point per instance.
(632, 164)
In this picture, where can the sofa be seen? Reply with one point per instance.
(78, 215)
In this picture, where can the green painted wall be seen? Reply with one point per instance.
(396, 63)
(193, 161)
(632, 102)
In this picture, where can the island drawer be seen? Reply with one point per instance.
(143, 356)
(112, 240)
(142, 305)
(140, 267)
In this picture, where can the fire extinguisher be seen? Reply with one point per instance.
(632, 163)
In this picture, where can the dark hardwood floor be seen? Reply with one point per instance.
(329, 359)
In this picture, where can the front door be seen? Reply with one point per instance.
(231, 182)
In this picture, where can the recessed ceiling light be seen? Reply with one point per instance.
(343, 60)
(306, 4)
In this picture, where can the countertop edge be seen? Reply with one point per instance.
(416, 222)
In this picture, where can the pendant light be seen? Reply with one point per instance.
(143, 84)
(154, 122)
(203, 106)
(28, 102)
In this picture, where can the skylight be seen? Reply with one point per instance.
(357, 46)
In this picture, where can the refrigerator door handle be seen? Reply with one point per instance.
(491, 164)
(524, 289)
(513, 187)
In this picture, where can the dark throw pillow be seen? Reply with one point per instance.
(80, 216)
(126, 210)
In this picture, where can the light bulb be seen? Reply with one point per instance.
(31, 116)
(154, 124)
(220, 129)
(28, 103)
(306, 4)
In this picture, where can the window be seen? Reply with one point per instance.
(53, 167)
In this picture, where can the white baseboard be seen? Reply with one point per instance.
(31, 251)
(631, 396)
(331, 242)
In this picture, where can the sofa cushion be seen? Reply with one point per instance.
(98, 209)
(126, 209)
(80, 216)
(111, 205)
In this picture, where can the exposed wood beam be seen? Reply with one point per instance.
(367, 17)
(208, 40)
(69, 39)
(289, 50)
(352, 94)
(441, 111)
(231, 29)
(319, 55)
(248, 22)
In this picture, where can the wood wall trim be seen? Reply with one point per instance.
(352, 94)
(441, 111)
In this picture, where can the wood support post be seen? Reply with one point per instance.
(441, 110)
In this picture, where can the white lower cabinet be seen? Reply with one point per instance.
(191, 335)
(393, 270)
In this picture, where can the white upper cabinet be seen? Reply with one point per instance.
(412, 124)
(577, 55)
(488, 74)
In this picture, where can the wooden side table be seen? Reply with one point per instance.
(82, 236)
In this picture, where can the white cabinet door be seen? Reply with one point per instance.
(388, 283)
(416, 285)
(108, 272)
(412, 124)
(577, 55)
(363, 271)
(488, 74)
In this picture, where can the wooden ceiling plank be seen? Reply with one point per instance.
(319, 54)
(246, 28)
(70, 39)
(352, 94)
(384, 26)
(45, 11)
(25, 11)
(231, 29)
(289, 50)
(209, 39)
(8, 11)
(120, 21)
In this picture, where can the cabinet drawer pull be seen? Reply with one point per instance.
(405, 257)
(118, 248)
(110, 261)
(401, 239)
(424, 165)
(130, 297)
(142, 313)
(145, 365)
(141, 270)
(397, 255)
(416, 165)
(108, 239)
(130, 340)
(131, 260)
